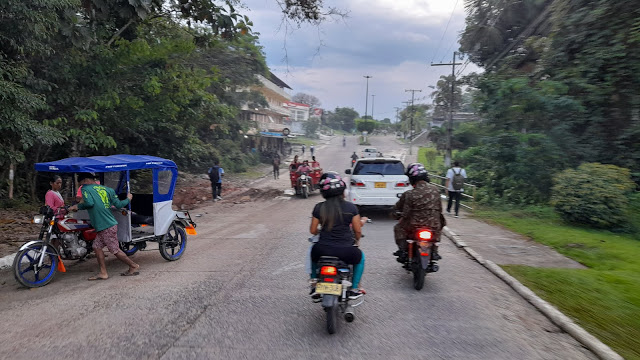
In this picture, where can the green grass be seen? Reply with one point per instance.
(434, 165)
(250, 174)
(605, 298)
(299, 140)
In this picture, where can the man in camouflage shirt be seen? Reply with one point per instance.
(420, 207)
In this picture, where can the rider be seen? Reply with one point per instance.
(294, 164)
(344, 140)
(354, 157)
(304, 168)
(341, 229)
(419, 207)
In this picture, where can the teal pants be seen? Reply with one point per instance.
(358, 270)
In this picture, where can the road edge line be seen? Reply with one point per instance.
(592, 343)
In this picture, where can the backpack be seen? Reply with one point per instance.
(458, 180)
(214, 174)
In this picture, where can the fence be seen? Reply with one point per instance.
(443, 180)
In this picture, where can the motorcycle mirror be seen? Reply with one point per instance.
(398, 195)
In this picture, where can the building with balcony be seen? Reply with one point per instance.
(275, 117)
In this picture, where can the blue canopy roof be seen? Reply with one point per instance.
(106, 164)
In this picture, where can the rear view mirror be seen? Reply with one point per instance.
(348, 171)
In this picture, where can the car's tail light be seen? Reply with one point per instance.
(328, 271)
(357, 183)
(424, 235)
(402, 184)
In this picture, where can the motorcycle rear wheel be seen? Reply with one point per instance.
(419, 274)
(332, 319)
(174, 243)
(305, 192)
(27, 259)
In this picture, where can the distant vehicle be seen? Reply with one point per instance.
(377, 181)
(369, 153)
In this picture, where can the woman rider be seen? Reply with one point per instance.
(53, 198)
(338, 218)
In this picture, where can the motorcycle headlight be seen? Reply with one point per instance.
(302, 177)
(37, 219)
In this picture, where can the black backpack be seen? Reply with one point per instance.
(458, 180)
(214, 174)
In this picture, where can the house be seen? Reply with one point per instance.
(299, 116)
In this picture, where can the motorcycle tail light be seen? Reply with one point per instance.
(328, 271)
(424, 235)
(328, 280)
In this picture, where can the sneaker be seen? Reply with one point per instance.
(398, 253)
(456, 216)
(437, 257)
(219, 197)
(355, 294)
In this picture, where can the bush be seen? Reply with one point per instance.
(594, 194)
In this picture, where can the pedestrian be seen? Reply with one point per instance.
(312, 149)
(303, 147)
(216, 172)
(455, 186)
(276, 166)
(98, 200)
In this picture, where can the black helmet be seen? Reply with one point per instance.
(331, 184)
(417, 172)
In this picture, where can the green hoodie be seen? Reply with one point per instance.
(97, 200)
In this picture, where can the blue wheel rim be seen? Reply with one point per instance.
(180, 234)
(31, 262)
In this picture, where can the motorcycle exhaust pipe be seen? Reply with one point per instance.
(349, 315)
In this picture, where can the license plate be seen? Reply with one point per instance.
(382, 185)
(326, 288)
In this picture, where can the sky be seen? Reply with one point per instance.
(394, 41)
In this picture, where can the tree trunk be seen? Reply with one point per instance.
(12, 167)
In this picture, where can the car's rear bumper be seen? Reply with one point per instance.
(373, 200)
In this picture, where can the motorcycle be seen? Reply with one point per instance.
(304, 185)
(419, 258)
(61, 237)
(332, 288)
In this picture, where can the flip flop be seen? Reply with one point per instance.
(96, 277)
(126, 273)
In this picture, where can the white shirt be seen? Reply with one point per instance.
(457, 170)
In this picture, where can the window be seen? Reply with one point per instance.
(379, 167)
(164, 181)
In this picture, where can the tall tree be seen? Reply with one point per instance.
(306, 99)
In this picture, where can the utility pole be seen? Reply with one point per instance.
(397, 109)
(366, 97)
(413, 91)
(447, 156)
(373, 98)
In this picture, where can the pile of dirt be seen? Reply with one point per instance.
(255, 195)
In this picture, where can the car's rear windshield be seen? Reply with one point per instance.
(379, 167)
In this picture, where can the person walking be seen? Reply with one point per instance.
(215, 176)
(303, 147)
(312, 149)
(455, 186)
(276, 166)
(98, 200)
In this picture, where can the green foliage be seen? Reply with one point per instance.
(311, 127)
(342, 119)
(365, 125)
(593, 194)
(514, 168)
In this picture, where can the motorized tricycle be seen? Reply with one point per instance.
(148, 218)
(304, 183)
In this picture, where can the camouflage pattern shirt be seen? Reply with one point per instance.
(421, 207)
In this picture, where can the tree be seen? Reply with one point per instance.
(342, 119)
(306, 99)
(310, 127)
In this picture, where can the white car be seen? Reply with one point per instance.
(377, 181)
(370, 153)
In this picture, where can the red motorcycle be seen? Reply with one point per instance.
(420, 258)
(61, 237)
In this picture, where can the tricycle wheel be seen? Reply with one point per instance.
(128, 248)
(174, 243)
(26, 269)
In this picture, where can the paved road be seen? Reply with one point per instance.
(240, 292)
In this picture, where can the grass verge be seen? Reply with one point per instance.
(605, 298)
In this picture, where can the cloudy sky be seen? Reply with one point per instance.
(395, 41)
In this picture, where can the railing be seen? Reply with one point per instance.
(466, 185)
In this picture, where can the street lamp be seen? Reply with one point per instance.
(366, 98)
(373, 98)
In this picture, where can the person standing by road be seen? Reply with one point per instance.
(455, 186)
(276, 166)
(312, 149)
(215, 176)
(98, 200)
(303, 147)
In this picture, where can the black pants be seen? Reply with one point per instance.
(454, 195)
(276, 171)
(216, 189)
(349, 254)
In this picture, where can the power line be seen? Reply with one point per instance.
(445, 31)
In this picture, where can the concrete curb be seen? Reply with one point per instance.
(561, 320)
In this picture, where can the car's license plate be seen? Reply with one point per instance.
(326, 288)
(379, 185)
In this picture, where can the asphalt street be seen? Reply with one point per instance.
(240, 292)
